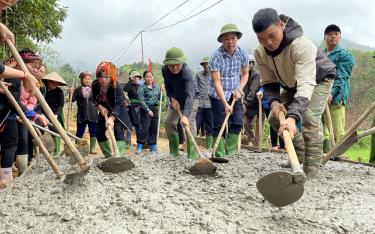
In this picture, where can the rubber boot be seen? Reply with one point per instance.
(93, 145)
(6, 175)
(121, 145)
(56, 151)
(231, 144)
(22, 161)
(105, 148)
(139, 149)
(153, 148)
(209, 141)
(173, 145)
(311, 167)
(220, 150)
(191, 151)
(326, 145)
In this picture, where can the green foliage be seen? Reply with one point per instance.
(362, 80)
(34, 21)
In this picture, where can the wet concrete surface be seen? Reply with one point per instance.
(159, 195)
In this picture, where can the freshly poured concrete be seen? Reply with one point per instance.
(159, 195)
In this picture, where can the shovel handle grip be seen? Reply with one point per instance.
(190, 135)
(112, 137)
(222, 129)
(292, 155)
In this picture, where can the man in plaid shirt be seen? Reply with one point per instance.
(229, 67)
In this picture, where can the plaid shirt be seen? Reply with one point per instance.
(229, 68)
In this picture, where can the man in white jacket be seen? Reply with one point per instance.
(297, 79)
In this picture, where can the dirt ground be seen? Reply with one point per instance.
(160, 196)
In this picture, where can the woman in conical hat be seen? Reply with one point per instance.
(55, 99)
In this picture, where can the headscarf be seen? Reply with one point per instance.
(107, 69)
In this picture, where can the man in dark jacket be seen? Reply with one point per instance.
(180, 87)
(204, 114)
(251, 107)
(287, 59)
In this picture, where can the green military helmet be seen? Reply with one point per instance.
(135, 73)
(174, 56)
(204, 60)
(229, 28)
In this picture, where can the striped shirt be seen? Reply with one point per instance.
(229, 68)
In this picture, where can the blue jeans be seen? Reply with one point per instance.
(235, 120)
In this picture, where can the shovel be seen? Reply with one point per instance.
(32, 131)
(116, 163)
(159, 117)
(83, 147)
(329, 123)
(213, 158)
(349, 132)
(353, 138)
(282, 188)
(260, 123)
(203, 166)
(84, 166)
(70, 106)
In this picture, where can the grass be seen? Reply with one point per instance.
(358, 154)
(360, 151)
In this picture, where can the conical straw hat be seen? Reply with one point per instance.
(55, 77)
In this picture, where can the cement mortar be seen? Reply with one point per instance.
(160, 196)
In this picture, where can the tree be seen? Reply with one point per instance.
(35, 20)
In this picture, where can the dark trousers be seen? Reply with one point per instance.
(135, 118)
(101, 128)
(273, 134)
(81, 126)
(204, 119)
(24, 139)
(8, 141)
(235, 120)
(181, 135)
(149, 126)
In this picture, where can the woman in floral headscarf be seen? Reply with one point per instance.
(109, 98)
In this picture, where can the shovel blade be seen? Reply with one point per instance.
(203, 167)
(116, 164)
(73, 177)
(219, 160)
(279, 188)
(342, 148)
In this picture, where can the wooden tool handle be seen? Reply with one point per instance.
(47, 110)
(222, 129)
(349, 132)
(190, 135)
(329, 123)
(292, 155)
(260, 124)
(70, 106)
(112, 137)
